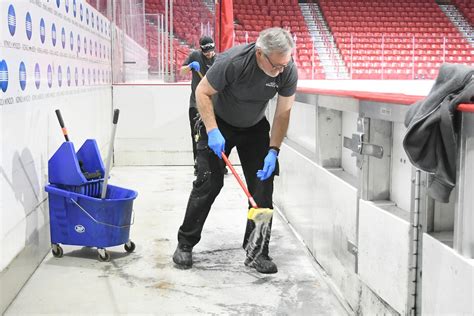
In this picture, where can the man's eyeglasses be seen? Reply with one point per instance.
(277, 67)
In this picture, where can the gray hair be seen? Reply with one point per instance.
(275, 40)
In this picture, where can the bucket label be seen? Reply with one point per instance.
(80, 229)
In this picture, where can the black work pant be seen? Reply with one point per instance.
(193, 118)
(252, 147)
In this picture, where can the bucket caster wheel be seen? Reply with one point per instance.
(129, 246)
(57, 250)
(104, 256)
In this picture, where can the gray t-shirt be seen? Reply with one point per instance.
(243, 88)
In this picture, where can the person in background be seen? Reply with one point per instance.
(199, 62)
(232, 99)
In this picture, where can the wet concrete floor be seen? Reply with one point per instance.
(147, 282)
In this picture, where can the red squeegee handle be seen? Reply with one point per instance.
(239, 180)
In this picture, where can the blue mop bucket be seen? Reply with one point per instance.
(78, 219)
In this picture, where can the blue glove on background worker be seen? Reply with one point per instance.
(195, 66)
(269, 165)
(216, 141)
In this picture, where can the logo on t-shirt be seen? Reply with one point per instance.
(271, 84)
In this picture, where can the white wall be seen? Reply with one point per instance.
(30, 133)
(448, 280)
(384, 254)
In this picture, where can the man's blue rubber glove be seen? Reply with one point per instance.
(195, 66)
(216, 141)
(269, 165)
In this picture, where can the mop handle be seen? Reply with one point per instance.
(109, 157)
(61, 123)
(242, 185)
(200, 74)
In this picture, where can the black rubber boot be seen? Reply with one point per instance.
(183, 257)
(262, 264)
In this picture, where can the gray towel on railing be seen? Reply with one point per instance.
(431, 138)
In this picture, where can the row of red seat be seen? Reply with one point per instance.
(305, 51)
(364, 8)
(261, 8)
(396, 69)
(391, 17)
(275, 21)
(397, 38)
(251, 17)
(358, 10)
(271, 11)
(385, 45)
(259, 26)
(386, 24)
(266, 2)
(292, 25)
(365, 64)
(454, 38)
(390, 53)
(467, 9)
(307, 57)
(383, 4)
(441, 31)
(402, 52)
(407, 58)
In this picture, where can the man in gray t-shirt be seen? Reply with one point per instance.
(232, 99)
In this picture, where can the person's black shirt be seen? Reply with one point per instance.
(205, 65)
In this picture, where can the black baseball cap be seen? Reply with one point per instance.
(207, 44)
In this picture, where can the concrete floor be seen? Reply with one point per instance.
(146, 281)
